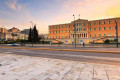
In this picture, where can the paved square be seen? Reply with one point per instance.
(17, 67)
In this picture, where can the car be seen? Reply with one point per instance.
(15, 44)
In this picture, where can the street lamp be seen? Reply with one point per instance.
(32, 33)
(74, 31)
(24, 37)
(116, 33)
(3, 34)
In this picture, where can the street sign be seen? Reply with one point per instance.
(81, 41)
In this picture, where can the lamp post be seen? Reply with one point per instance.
(32, 33)
(3, 34)
(116, 34)
(24, 37)
(74, 31)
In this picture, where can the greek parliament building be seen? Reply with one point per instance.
(86, 31)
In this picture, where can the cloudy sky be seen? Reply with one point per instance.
(19, 13)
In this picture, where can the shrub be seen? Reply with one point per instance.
(107, 41)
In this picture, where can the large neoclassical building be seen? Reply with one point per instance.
(86, 31)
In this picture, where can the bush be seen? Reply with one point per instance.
(107, 41)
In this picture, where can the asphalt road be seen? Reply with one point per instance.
(105, 58)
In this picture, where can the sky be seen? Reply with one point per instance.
(20, 13)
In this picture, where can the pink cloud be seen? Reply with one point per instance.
(12, 4)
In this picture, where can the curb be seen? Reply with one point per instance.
(63, 50)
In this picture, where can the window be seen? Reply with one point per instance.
(62, 31)
(109, 22)
(56, 27)
(94, 29)
(62, 26)
(99, 23)
(56, 36)
(65, 36)
(109, 34)
(115, 21)
(56, 31)
(59, 31)
(69, 30)
(95, 23)
(104, 34)
(59, 27)
(80, 29)
(53, 32)
(50, 32)
(65, 30)
(53, 27)
(109, 28)
(62, 36)
(50, 27)
(66, 26)
(90, 23)
(99, 35)
(104, 22)
(69, 36)
(99, 28)
(84, 24)
(95, 35)
(53, 36)
(77, 29)
(90, 35)
(90, 29)
(59, 36)
(104, 28)
(84, 29)
(77, 24)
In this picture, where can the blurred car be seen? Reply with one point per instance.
(15, 44)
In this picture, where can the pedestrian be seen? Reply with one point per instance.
(83, 44)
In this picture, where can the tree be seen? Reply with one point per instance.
(30, 35)
(107, 41)
(35, 34)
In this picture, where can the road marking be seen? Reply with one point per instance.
(7, 52)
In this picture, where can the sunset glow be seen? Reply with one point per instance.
(19, 13)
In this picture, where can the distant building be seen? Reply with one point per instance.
(25, 31)
(14, 30)
(3, 33)
(86, 31)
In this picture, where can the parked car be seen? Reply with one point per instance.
(15, 44)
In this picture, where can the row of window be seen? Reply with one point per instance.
(59, 31)
(80, 24)
(59, 36)
(58, 27)
(104, 22)
(104, 28)
(80, 29)
(109, 34)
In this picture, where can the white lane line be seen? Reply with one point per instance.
(7, 52)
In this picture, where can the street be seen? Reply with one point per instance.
(31, 64)
(105, 58)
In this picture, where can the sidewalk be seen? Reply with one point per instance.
(17, 67)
